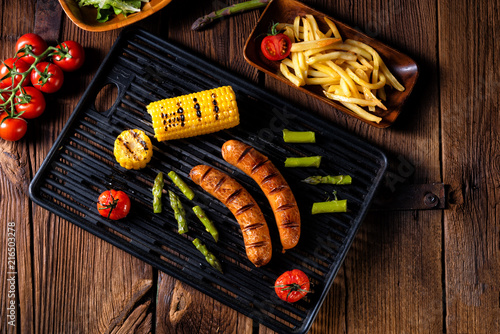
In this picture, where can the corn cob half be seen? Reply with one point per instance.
(133, 149)
(194, 114)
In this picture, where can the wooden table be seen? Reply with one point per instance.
(411, 271)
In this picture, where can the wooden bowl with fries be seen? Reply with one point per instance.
(85, 17)
(335, 63)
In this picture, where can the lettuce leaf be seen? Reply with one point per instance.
(105, 8)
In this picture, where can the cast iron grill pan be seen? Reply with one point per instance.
(81, 165)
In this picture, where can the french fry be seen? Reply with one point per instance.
(333, 27)
(330, 56)
(353, 49)
(326, 69)
(340, 98)
(287, 74)
(349, 72)
(376, 57)
(306, 45)
(362, 113)
(296, 67)
(365, 62)
(363, 83)
(317, 74)
(369, 96)
(289, 32)
(322, 81)
(345, 76)
(314, 26)
(307, 31)
(296, 27)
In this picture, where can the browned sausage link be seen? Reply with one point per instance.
(272, 183)
(242, 205)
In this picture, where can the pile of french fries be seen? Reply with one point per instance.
(349, 71)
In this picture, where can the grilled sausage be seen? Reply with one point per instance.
(272, 183)
(244, 208)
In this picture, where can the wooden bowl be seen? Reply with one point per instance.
(85, 17)
(284, 11)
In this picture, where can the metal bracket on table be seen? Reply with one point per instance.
(410, 197)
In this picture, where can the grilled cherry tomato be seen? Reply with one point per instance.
(113, 204)
(30, 102)
(12, 129)
(276, 46)
(38, 46)
(292, 285)
(49, 78)
(74, 58)
(10, 65)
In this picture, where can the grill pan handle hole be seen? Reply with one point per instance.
(106, 98)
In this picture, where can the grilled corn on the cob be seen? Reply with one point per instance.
(194, 114)
(133, 149)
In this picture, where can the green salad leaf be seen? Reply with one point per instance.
(106, 8)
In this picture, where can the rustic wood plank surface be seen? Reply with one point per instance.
(471, 160)
(407, 272)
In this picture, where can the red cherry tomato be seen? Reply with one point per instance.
(4, 97)
(38, 46)
(30, 102)
(292, 286)
(113, 204)
(12, 65)
(49, 80)
(12, 129)
(74, 58)
(276, 46)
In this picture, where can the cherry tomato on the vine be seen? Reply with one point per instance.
(74, 58)
(292, 285)
(276, 46)
(38, 46)
(113, 204)
(9, 66)
(49, 80)
(30, 102)
(4, 97)
(12, 129)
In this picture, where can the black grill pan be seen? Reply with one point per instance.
(81, 165)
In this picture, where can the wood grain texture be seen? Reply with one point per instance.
(406, 272)
(470, 123)
(15, 175)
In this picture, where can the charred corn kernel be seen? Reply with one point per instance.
(133, 149)
(194, 114)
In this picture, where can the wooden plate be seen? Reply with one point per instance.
(85, 17)
(403, 67)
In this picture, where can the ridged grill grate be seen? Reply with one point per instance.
(81, 165)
